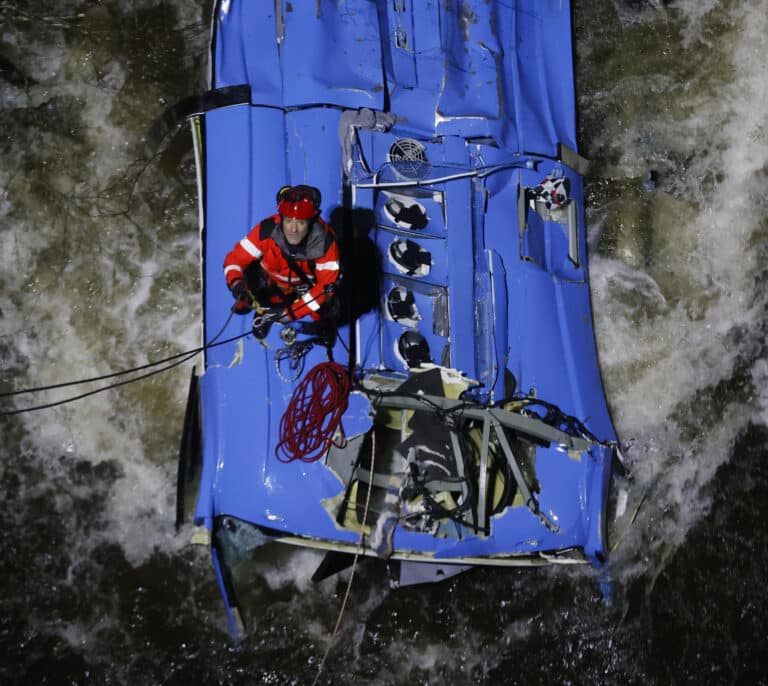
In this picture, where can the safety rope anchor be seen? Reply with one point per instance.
(294, 352)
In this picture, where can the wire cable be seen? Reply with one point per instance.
(45, 406)
(175, 360)
(211, 344)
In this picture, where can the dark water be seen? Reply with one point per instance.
(98, 246)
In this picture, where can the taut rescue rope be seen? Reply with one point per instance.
(354, 563)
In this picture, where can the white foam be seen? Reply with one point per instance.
(106, 304)
(666, 349)
(92, 295)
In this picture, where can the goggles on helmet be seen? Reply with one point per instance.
(298, 202)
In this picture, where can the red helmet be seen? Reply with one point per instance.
(298, 202)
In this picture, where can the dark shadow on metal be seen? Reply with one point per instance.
(333, 563)
(194, 105)
(190, 450)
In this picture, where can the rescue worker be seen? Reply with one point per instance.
(287, 266)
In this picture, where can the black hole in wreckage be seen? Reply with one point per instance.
(414, 348)
(402, 305)
(410, 258)
(410, 216)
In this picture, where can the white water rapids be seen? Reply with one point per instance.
(99, 272)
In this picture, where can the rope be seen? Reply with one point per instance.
(180, 358)
(354, 564)
(314, 413)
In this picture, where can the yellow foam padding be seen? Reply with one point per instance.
(454, 383)
(446, 500)
(453, 387)
(201, 536)
(514, 405)
(350, 515)
(390, 418)
(351, 521)
(575, 455)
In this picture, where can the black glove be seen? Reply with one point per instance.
(241, 293)
(239, 290)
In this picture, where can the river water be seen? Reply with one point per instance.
(98, 272)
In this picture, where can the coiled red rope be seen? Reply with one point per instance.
(314, 413)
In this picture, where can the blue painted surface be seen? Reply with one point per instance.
(478, 84)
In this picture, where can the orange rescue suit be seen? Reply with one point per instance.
(317, 257)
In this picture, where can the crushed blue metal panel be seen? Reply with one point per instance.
(473, 275)
(473, 69)
(331, 54)
(301, 52)
(245, 49)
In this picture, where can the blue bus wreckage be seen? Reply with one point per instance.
(467, 423)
